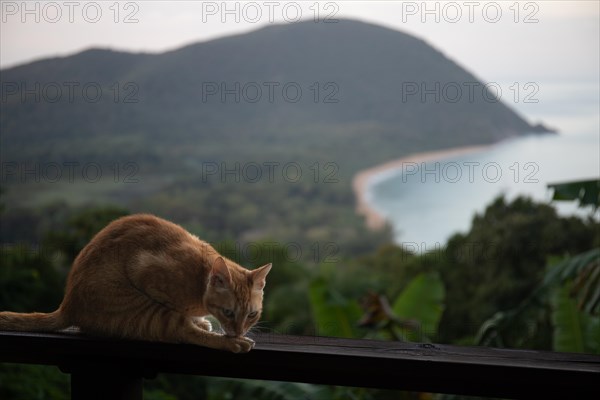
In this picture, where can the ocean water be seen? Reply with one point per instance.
(426, 203)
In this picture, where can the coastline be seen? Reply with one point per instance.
(360, 182)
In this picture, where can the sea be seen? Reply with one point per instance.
(426, 203)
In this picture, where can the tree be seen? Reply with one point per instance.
(569, 294)
(502, 258)
(79, 229)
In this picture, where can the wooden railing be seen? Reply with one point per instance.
(115, 369)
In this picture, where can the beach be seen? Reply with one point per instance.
(360, 183)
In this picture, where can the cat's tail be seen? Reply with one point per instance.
(33, 322)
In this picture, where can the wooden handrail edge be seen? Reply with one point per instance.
(321, 360)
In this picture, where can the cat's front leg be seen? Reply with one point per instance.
(222, 342)
(202, 323)
(235, 344)
(239, 344)
(192, 332)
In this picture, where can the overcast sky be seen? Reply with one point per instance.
(502, 40)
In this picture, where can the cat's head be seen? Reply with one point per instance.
(235, 295)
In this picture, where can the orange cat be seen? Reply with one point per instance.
(142, 277)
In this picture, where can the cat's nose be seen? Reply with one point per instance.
(239, 331)
(235, 332)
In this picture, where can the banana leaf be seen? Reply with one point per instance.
(586, 192)
(423, 302)
(574, 330)
(333, 314)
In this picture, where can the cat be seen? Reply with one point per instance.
(142, 277)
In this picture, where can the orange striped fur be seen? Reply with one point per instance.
(142, 277)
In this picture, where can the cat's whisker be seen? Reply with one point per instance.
(261, 327)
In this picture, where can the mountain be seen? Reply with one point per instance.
(350, 91)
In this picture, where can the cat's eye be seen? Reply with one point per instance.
(228, 313)
(253, 314)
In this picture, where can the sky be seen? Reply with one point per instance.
(495, 40)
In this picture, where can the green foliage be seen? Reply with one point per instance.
(501, 260)
(587, 193)
(180, 387)
(287, 309)
(389, 260)
(221, 389)
(2, 205)
(79, 229)
(33, 382)
(574, 330)
(334, 314)
(422, 301)
(532, 317)
(29, 280)
(158, 394)
(587, 288)
(584, 270)
(176, 387)
(286, 306)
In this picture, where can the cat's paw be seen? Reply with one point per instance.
(238, 344)
(203, 324)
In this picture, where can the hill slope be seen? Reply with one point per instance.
(342, 90)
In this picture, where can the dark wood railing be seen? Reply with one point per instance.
(115, 369)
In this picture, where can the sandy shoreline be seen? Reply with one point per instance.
(360, 182)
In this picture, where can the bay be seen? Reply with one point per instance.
(427, 202)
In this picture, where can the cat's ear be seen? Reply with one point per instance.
(259, 276)
(220, 276)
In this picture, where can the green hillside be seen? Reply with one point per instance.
(357, 85)
(292, 111)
